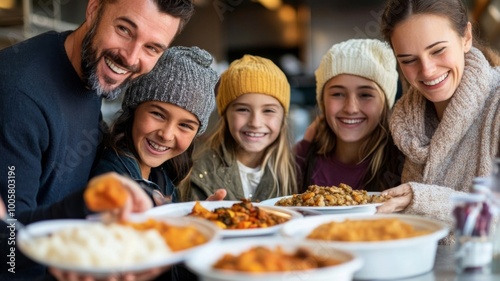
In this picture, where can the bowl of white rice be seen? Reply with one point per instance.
(98, 249)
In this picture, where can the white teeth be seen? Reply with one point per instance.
(157, 147)
(114, 67)
(254, 134)
(437, 80)
(351, 121)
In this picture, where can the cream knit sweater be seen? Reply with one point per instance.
(443, 157)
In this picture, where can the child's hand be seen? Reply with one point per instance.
(218, 195)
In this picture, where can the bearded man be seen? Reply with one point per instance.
(51, 88)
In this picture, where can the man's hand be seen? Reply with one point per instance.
(137, 200)
(401, 197)
(138, 276)
(3, 211)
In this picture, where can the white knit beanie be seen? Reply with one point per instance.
(367, 58)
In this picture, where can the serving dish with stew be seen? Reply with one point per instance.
(392, 246)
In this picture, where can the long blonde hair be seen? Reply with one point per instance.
(278, 156)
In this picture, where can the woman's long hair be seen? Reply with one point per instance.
(278, 156)
(120, 140)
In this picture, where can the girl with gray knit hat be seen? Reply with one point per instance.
(356, 87)
(162, 112)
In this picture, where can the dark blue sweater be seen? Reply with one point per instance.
(49, 133)
(110, 161)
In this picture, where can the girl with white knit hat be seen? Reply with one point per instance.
(356, 85)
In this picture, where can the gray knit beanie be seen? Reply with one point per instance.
(182, 77)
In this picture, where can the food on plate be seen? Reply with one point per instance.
(105, 193)
(98, 245)
(263, 259)
(365, 230)
(242, 215)
(321, 196)
(177, 237)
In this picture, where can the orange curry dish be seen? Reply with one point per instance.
(178, 238)
(241, 215)
(365, 230)
(262, 259)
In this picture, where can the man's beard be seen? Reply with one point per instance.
(89, 63)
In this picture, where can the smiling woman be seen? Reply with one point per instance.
(451, 110)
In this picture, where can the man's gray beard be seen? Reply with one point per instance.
(93, 81)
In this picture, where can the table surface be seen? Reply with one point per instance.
(444, 269)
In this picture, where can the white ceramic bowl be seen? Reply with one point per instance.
(203, 261)
(392, 259)
(44, 228)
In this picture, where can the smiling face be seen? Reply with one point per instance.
(353, 107)
(432, 57)
(161, 131)
(254, 121)
(125, 40)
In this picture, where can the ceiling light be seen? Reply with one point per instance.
(270, 4)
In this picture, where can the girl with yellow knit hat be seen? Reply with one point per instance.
(249, 153)
(356, 85)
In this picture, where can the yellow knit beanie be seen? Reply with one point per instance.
(252, 74)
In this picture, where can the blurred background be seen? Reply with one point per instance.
(293, 33)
